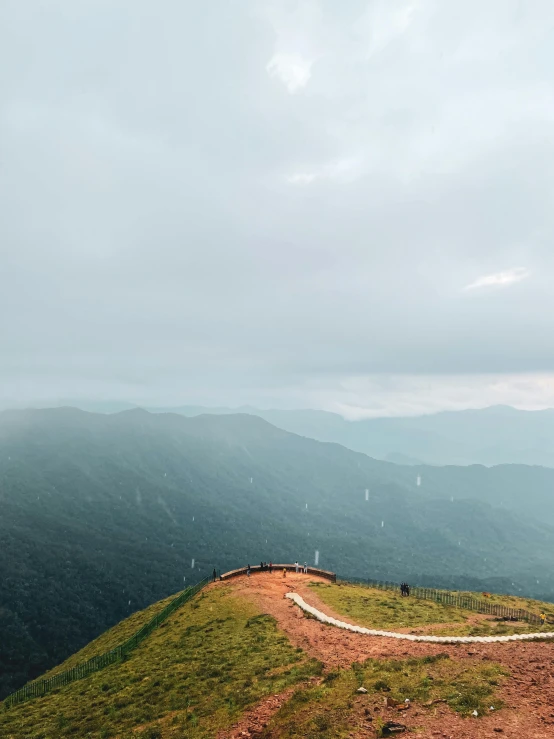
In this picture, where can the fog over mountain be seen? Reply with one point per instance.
(490, 436)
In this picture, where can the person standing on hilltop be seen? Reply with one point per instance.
(248, 570)
(296, 565)
(305, 568)
(270, 568)
(214, 575)
(284, 571)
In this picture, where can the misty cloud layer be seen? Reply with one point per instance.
(344, 205)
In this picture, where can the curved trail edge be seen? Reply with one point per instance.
(320, 616)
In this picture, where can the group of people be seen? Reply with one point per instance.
(404, 589)
(268, 567)
(298, 568)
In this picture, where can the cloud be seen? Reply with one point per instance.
(291, 69)
(386, 21)
(345, 169)
(398, 395)
(302, 178)
(276, 198)
(498, 279)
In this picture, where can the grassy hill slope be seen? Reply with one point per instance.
(101, 515)
(212, 659)
(220, 655)
(112, 638)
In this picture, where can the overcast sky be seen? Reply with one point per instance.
(344, 205)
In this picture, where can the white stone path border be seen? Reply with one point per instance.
(412, 637)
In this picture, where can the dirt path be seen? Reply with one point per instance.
(255, 720)
(528, 694)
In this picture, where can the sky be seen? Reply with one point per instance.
(281, 203)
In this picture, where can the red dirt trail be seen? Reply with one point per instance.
(528, 694)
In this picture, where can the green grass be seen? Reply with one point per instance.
(193, 676)
(465, 685)
(386, 609)
(217, 656)
(112, 638)
(333, 709)
(382, 609)
(491, 627)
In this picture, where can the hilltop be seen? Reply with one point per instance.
(102, 515)
(240, 660)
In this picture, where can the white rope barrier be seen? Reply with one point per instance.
(320, 616)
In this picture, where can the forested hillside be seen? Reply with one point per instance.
(101, 515)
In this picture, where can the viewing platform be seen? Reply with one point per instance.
(331, 576)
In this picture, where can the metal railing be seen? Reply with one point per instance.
(278, 568)
(38, 688)
(459, 600)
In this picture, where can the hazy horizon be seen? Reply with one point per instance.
(115, 406)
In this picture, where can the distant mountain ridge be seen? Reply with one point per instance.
(489, 436)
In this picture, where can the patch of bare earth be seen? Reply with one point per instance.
(528, 694)
(256, 719)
